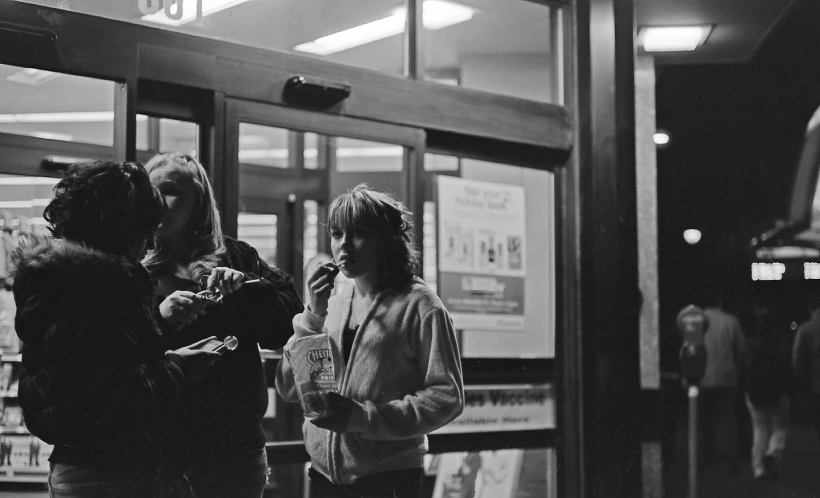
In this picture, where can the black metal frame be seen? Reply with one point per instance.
(589, 135)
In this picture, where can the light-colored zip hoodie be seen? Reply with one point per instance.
(404, 376)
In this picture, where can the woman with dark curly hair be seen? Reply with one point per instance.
(398, 370)
(98, 383)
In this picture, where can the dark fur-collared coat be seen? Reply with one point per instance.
(96, 383)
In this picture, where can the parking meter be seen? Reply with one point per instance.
(692, 324)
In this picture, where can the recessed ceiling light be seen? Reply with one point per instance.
(437, 14)
(673, 38)
(188, 11)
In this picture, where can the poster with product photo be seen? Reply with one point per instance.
(484, 474)
(482, 253)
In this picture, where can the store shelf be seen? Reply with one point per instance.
(11, 358)
(14, 430)
(23, 474)
(8, 394)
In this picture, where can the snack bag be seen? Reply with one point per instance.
(311, 361)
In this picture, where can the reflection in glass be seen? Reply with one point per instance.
(263, 145)
(504, 48)
(274, 25)
(22, 201)
(312, 144)
(311, 248)
(56, 106)
(363, 156)
(259, 230)
(161, 135)
(430, 270)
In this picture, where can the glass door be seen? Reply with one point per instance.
(283, 167)
(290, 164)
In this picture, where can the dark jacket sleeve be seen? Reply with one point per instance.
(140, 394)
(267, 308)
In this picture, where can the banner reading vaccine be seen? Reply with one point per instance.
(482, 253)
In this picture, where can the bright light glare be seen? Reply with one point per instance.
(437, 14)
(691, 236)
(660, 138)
(673, 38)
(62, 117)
(189, 11)
(32, 77)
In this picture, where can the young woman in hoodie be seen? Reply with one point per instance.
(398, 369)
(98, 383)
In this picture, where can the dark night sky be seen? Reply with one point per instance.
(735, 134)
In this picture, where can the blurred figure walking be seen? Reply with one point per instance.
(768, 395)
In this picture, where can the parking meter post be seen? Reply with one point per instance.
(692, 324)
(693, 441)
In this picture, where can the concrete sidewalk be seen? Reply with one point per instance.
(800, 474)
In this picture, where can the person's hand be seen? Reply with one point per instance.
(340, 409)
(225, 280)
(320, 285)
(196, 360)
(182, 308)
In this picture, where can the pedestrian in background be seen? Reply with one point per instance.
(725, 344)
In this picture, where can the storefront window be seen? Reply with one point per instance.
(364, 33)
(56, 106)
(508, 472)
(22, 201)
(363, 156)
(160, 135)
(259, 230)
(495, 250)
(264, 146)
(505, 47)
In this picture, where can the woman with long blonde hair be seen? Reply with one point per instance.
(191, 254)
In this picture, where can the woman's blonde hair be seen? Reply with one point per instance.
(206, 244)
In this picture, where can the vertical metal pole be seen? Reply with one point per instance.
(693, 441)
(413, 44)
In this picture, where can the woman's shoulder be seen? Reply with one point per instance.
(62, 257)
(239, 252)
(419, 295)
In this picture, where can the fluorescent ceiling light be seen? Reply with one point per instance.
(61, 117)
(437, 14)
(63, 137)
(28, 180)
(189, 11)
(32, 77)
(311, 153)
(660, 138)
(673, 38)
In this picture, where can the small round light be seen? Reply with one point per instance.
(691, 236)
(660, 138)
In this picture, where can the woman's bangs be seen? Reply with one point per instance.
(349, 211)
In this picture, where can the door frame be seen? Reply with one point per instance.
(300, 183)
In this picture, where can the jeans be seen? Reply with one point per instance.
(770, 425)
(404, 483)
(233, 475)
(74, 481)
